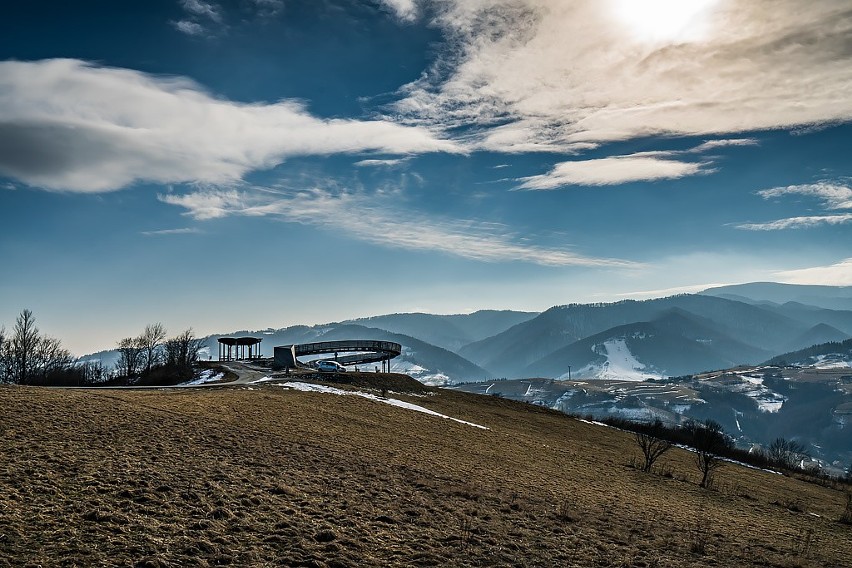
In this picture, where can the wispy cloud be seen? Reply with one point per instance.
(662, 292)
(405, 10)
(202, 9)
(713, 144)
(70, 125)
(189, 27)
(183, 231)
(805, 222)
(553, 74)
(380, 163)
(612, 171)
(839, 274)
(381, 224)
(199, 18)
(833, 195)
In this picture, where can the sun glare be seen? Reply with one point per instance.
(665, 21)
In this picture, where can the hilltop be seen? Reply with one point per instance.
(265, 475)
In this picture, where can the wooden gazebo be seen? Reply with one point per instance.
(233, 348)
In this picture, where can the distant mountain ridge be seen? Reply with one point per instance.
(746, 328)
(828, 297)
(682, 334)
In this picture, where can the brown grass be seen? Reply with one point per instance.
(269, 477)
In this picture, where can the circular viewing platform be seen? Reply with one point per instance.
(355, 352)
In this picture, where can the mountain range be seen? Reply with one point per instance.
(663, 337)
(761, 359)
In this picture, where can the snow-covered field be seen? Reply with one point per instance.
(832, 362)
(620, 365)
(767, 400)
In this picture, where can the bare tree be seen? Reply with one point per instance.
(785, 453)
(129, 357)
(151, 342)
(651, 445)
(5, 357)
(27, 357)
(182, 350)
(50, 357)
(709, 440)
(24, 342)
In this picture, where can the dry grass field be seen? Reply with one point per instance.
(264, 476)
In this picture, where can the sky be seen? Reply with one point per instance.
(248, 164)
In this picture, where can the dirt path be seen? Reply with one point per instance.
(246, 374)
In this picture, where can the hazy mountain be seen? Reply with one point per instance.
(831, 355)
(511, 352)
(813, 315)
(817, 335)
(448, 331)
(677, 343)
(830, 297)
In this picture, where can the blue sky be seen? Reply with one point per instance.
(261, 163)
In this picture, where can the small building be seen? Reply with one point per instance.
(233, 348)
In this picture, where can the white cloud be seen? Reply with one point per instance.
(379, 163)
(559, 72)
(839, 274)
(403, 9)
(184, 231)
(612, 171)
(713, 144)
(202, 9)
(70, 125)
(189, 27)
(805, 222)
(380, 224)
(663, 292)
(833, 195)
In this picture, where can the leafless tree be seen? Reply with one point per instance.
(709, 440)
(27, 357)
(50, 357)
(23, 344)
(5, 357)
(785, 453)
(182, 350)
(651, 445)
(129, 357)
(151, 342)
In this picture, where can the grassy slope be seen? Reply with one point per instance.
(272, 477)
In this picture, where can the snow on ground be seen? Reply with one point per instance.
(826, 362)
(308, 387)
(767, 400)
(206, 376)
(418, 373)
(620, 364)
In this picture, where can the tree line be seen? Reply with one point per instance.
(29, 357)
(711, 444)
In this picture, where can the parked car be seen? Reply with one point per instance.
(330, 367)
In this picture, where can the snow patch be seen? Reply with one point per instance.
(418, 373)
(767, 400)
(620, 364)
(206, 376)
(308, 387)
